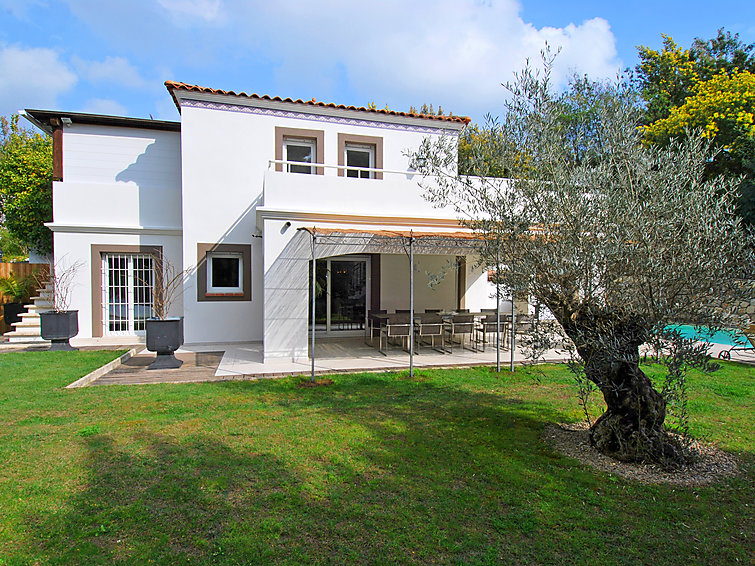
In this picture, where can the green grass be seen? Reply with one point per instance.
(447, 468)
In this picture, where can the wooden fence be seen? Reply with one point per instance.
(20, 270)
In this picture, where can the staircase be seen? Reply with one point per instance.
(28, 330)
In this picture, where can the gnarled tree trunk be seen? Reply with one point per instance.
(632, 428)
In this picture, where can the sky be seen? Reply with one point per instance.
(112, 57)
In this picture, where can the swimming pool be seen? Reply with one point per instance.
(722, 337)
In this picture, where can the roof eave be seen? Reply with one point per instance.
(180, 91)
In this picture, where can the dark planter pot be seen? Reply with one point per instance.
(165, 337)
(12, 312)
(59, 328)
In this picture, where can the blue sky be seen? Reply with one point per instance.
(112, 57)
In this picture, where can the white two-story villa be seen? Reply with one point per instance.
(232, 195)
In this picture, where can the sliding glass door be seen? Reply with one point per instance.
(341, 294)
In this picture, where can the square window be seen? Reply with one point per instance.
(299, 150)
(224, 273)
(360, 156)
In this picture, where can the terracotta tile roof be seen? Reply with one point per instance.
(173, 86)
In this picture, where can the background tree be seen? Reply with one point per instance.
(709, 87)
(26, 184)
(11, 249)
(616, 238)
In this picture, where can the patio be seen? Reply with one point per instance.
(224, 362)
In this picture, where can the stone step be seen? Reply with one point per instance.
(30, 315)
(37, 308)
(26, 324)
(26, 331)
(23, 339)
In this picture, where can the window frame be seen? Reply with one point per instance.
(315, 136)
(369, 149)
(354, 139)
(301, 142)
(205, 253)
(235, 290)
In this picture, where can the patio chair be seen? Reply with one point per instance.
(432, 311)
(524, 323)
(486, 331)
(373, 323)
(749, 334)
(431, 326)
(402, 311)
(396, 326)
(459, 325)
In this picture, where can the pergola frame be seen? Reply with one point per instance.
(386, 241)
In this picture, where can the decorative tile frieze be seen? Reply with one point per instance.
(306, 116)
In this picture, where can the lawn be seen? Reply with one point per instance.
(446, 468)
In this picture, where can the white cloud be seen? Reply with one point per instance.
(104, 106)
(186, 11)
(32, 78)
(448, 52)
(111, 70)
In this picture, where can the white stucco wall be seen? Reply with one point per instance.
(225, 161)
(115, 176)
(76, 249)
(394, 282)
(121, 187)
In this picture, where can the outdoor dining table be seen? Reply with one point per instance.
(382, 318)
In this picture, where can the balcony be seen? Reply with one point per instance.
(398, 193)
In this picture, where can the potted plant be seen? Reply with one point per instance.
(60, 324)
(165, 334)
(17, 290)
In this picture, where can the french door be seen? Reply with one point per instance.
(127, 281)
(341, 294)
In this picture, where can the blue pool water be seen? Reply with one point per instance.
(723, 337)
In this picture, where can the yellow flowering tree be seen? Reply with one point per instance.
(709, 88)
(722, 108)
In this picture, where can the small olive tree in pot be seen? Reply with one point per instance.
(60, 324)
(165, 334)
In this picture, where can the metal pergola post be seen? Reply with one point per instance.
(314, 274)
(513, 330)
(411, 303)
(497, 307)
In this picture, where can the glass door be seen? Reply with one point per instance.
(341, 294)
(127, 293)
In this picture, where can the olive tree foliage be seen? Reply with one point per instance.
(618, 239)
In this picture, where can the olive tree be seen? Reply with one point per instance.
(617, 238)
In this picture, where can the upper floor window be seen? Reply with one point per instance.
(301, 151)
(363, 156)
(295, 146)
(360, 151)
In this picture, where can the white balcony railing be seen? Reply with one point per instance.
(397, 193)
(409, 173)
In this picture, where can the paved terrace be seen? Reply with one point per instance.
(228, 362)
